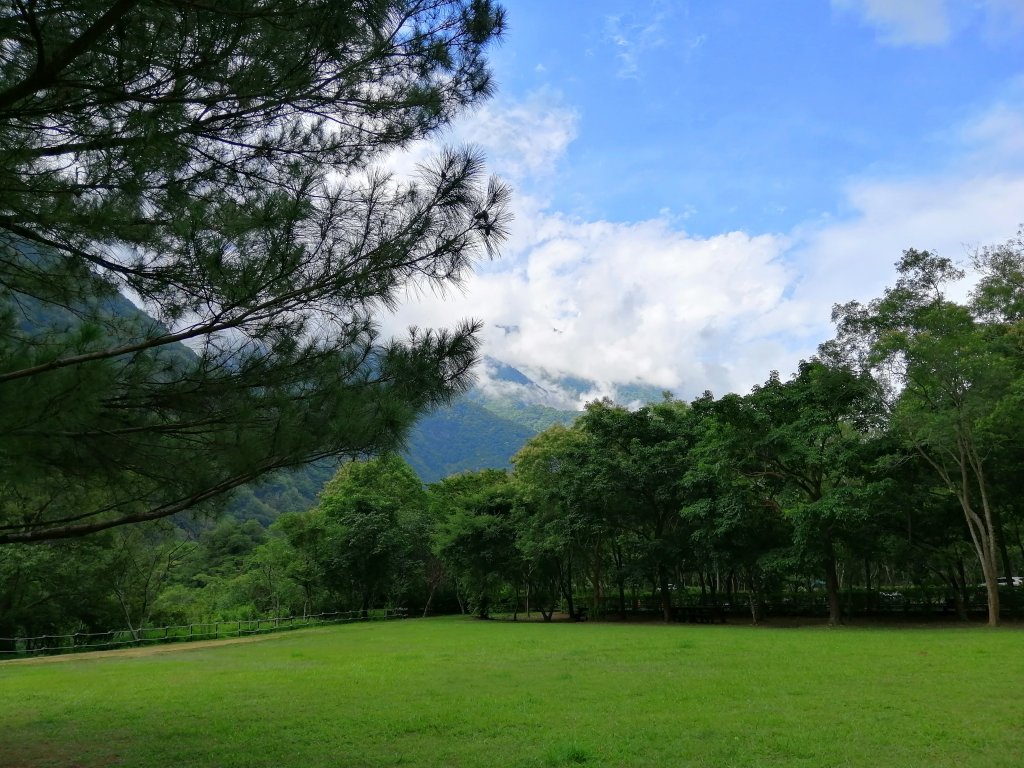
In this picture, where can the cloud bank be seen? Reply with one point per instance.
(903, 22)
(619, 302)
(932, 22)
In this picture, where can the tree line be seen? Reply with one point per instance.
(891, 457)
(224, 166)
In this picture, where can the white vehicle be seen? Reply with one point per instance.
(1018, 581)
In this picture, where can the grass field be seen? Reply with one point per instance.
(457, 692)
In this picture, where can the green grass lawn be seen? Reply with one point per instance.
(458, 692)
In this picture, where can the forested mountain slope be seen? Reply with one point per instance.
(478, 431)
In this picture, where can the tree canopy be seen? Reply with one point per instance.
(954, 377)
(220, 164)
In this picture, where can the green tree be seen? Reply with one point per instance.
(640, 468)
(220, 164)
(269, 573)
(734, 524)
(57, 588)
(374, 514)
(954, 384)
(224, 547)
(141, 566)
(922, 528)
(306, 537)
(798, 443)
(998, 303)
(476, 534)
(557, 518)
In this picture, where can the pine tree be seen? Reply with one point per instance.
(220, 164)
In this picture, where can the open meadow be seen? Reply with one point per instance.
(459, 692)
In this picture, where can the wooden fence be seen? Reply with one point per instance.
(12, 647)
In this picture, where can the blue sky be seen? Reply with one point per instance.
(742, 114)
(698, 182)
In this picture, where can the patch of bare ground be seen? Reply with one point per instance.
(150, 650)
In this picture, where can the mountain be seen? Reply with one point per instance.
(481, 430)
(464, 437)
(487, 426)
(500, 382)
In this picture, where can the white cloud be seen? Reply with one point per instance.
(903, 22)
(997, 135)
(621, 302)
(615, 302)
(935, 22)
(523, 138)
(628, 301)
(520, 138)
(951, 214)
(633, 35)
(976, 200)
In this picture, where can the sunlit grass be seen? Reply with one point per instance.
(458, 692)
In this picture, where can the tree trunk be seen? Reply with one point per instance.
(567, 585)
(989, 568)
(620, 579)
(127, 615)
(756, 601)
(958, 593)
(666, 596)
(987, 548)
(835, 612)
(756, 608)
(430, 599)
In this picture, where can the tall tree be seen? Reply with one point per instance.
(140, 569)
(561, 515)
(798, 443)
(641, 462)
(954, 384)
(735, 523)
(219, 164)
(476, 535)
(375, 518)
(57, 588)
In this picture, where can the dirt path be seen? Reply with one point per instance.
(149, 650)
